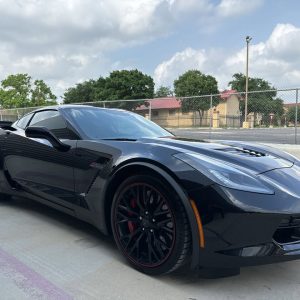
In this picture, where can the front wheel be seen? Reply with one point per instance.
(5, 197)
(150, 225)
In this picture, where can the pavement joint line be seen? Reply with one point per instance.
(29, 281)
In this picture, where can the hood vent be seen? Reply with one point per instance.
(243, 151)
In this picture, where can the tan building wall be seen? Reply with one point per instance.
(229, 112)
(229, 115)
(179, 119)
(172, 118)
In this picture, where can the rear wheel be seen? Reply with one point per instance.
(150, 225)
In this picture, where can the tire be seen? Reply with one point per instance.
(150, 225)
(5, 197)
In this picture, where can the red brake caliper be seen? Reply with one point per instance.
(131, 225)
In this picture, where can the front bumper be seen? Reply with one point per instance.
(246, 229)
(267, 253)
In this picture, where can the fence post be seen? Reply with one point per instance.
(296, 116)
(211, 116)
(150, 110)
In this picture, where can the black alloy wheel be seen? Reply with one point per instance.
(149, 225)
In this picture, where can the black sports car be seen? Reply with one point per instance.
(168, 202)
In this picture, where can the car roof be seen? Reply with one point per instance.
(64, 106)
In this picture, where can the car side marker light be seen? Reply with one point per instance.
(199, 223)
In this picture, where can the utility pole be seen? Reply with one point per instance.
(246, 124)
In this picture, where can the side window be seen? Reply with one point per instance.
(52, 120)
(22, 123)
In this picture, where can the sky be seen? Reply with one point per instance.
(65, 42)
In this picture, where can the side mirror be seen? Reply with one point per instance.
(6, 125)
(44, 133)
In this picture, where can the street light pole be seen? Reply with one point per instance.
(248, 39)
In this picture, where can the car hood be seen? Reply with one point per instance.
(256, 158)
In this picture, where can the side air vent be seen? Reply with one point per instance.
(242, 151)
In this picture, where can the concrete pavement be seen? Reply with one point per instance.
(292, 149)
(262, 135)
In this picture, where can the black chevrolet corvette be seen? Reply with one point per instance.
(169, 203)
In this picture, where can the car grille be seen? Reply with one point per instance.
(288, 230)
(290, 222)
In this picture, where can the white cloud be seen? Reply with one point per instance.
(180, 7)
(228, 8)
(182, 61)
(276, 60)
(208, 61)
(43, 22)
(64, 41)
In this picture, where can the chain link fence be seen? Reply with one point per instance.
(273, 115)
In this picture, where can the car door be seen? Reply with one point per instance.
(37, 166)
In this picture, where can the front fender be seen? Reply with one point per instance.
(182, 196)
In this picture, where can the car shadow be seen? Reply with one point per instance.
(88, 235)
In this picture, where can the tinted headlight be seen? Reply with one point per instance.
(224, 174)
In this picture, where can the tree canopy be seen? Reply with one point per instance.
(254, 84)
(119, 85)
(291, 114)
(263, 102)
(195, 83)
(163, 91)
(18, 90)
(82, 92)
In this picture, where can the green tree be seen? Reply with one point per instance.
(125, 85)
(18, 91)
(100, 92)
(291, 114)
(15, 91)
(41, 94)
(262, 102)
(195, 83)
(82, 92)
(163, 91)
(119, 85)
(254, 84)
(275, 107)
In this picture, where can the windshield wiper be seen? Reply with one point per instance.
(120, 139)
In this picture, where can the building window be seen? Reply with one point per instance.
(155, 113)
(172, 112)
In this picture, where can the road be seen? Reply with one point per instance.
(265, 135)
(45, 254)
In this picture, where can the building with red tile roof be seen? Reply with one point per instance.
(167, 111)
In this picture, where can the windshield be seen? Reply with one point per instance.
(97, 123)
